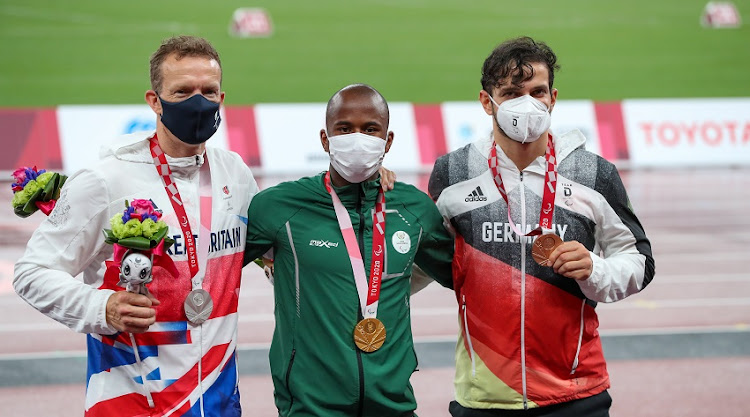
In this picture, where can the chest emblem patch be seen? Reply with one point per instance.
(401, 242)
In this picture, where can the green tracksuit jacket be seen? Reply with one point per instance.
(317, 370)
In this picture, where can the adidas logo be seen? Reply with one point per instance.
(476, 195)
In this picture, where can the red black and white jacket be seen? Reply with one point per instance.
(529, 336)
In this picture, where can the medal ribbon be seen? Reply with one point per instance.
(170, 186)
(548, 198)
(368, 295)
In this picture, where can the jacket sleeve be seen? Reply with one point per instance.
(435, 253)
(261, 232)
(622, 261)
(69, 241)
(438, 178)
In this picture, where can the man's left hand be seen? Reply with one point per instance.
(572, 260)
(387, 178)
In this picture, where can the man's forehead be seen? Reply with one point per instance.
(538, 76)
(362, 106)
(176, 63)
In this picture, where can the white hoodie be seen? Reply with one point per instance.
(71, 241)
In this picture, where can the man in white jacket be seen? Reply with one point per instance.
(181, 364)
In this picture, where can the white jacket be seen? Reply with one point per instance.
(70, 241)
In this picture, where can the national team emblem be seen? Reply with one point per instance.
(226, 190)
(250, 23)
(721, 14)
(401, 242)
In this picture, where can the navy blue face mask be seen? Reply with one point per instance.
(193, 121)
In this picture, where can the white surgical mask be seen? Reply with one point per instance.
(523, 119)
(356, 156)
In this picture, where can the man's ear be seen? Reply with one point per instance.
(554, 99)
(484, 98)
(388, 141)
(324, 140)
(152, 99)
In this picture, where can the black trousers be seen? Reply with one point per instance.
(595, 406)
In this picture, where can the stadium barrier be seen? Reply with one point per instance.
(283, 139)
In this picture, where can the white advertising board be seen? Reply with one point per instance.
(466, 122)
(688, 132)
(289, 138)
(85, 129)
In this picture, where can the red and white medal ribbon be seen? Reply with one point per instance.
(550, 184)
(162, 167)
(368, 294)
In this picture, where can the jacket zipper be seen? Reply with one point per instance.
(523, 292)
(288, 372)
(580, 340)
(468, 337)
(361, 239)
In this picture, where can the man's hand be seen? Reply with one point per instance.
(387, 178)
(129, 312)
(572, 260)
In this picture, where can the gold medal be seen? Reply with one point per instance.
(369, 335)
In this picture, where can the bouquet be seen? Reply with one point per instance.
(139, 227)
(35, 190)
(140, 241)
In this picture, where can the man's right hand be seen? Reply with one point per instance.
(129, 312)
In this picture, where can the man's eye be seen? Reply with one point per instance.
(344, 130)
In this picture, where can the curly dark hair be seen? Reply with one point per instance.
(514, 57)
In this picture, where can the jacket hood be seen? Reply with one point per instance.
(134, 148)
(564, 144)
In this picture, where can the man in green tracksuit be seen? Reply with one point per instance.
(343, 344)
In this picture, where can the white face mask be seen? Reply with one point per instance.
(356, 156)
(523, 119)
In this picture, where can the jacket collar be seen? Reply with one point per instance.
(564, 145)
(135, 148)
(350, 194)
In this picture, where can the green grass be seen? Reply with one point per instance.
(96, 51)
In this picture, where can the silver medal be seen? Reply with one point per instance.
(198, 306)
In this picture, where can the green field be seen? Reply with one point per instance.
(96, 51)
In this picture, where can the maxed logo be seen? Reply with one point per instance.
(324, 244)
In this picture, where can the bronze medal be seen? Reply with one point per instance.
(198, 306)
(543, 247)
(369, 335)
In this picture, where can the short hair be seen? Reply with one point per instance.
(360, 89)
(180, 46)
(514, 58)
